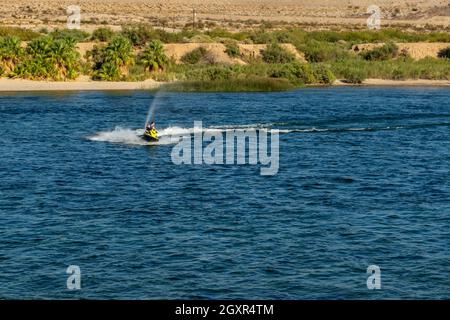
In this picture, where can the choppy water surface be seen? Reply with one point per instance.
(363, 179)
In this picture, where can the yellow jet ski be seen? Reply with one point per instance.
(150, 135)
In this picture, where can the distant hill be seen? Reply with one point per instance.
(232, 14)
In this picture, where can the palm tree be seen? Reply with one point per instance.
(65, 58)
(47, 58)
(111, 61)
(153, 58)
(119, 52)
(10, 53)
(108, 71)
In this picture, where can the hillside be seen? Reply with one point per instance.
(234, 14)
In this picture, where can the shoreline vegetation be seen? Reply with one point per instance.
(142, 57)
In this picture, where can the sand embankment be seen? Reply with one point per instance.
(19, 85)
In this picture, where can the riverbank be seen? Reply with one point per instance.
(20, 85)
(397, 83)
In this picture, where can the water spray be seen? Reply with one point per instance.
(152, 108)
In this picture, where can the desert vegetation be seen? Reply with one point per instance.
(137, 52)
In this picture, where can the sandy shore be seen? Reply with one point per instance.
(85, 85)
(398, 83)
(18, 85)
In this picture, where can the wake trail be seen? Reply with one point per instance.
(173, 134)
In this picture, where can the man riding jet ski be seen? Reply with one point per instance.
(150, 133)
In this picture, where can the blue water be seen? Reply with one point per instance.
(363, 180)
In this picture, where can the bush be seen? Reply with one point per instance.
(137, 72)
(276, 54)
(232, 50)
(427, 68)
(210, 73)
(102, 34)
(256, 84)
(317, 51)
(323, 74)
(22, 34)
(444, 53)
(194, 56)
(200, 38)
(263, 37)
(354, 75)
(139, 35)
(297, 73)
(398, 74)
(385, 52)
(222, 33)
(69, 34)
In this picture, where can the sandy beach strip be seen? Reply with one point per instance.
(20, 85)
(397, 83)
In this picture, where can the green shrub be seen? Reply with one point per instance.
(354, 75)
(256, 84)
(200, 38)
(284, 36)
(427, 68)
(444, 53)
(210, 73)
(194, 56)
(140, 34)
(222, 33)
(263, 37)
(398, 74)
(385, 52)
(317, 51)
(163, 76)
(22, 34)
(175, 37)
(297, 73)
(69, 34)
(102, 34)
(232, 49)
(137, 72)
(274, 53)
(323, 74)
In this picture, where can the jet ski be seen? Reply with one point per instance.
(150, 135)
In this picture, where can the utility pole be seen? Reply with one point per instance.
(194, 15)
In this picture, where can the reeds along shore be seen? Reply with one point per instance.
(220, 60)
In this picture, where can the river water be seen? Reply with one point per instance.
(363, 179)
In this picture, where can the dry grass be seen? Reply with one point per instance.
(234, 14)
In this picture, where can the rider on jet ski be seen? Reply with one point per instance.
(151, 126)
(150, 130)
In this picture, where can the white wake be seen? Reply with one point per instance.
(169, 135)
